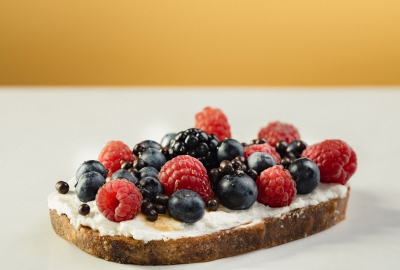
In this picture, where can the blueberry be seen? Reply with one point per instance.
(167, 139)
(260, 161)
(229, 149)
(296, 147)
(150, 188)
(91, 166)
(124, 174)
(88, 185)
(150, 144)
(306, 175)
(153, 157)
(186, 205)
(237, 191)
(148, 171)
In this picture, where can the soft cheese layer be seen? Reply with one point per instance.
(166, 228)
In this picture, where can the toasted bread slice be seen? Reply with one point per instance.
(269, 232)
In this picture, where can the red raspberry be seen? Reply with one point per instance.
(119, 200)
(113, 153)
(185, 172)
(276, 187)
(265, 147)
(336, 161)
(213, 121)
(277, 131)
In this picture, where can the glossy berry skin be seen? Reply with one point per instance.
(229, 149)
(187, 206)
(113, 153)
(165, 141)
(265, 147)
(276, 187)
(336, 160)
(277, 131)
(296, 147)
(153, 157)
(151, 144)
(213, 121)
(260, 161)
(91, 166)
(185, 172)
(148, 171)
(88, 185)
(62, 187)
(237, 191)
(150, 187)
(119, 200)
(306, 175)
(124, 174)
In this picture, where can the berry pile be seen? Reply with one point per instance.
(203, 167)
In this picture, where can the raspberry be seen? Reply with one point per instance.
(276, 188)
(277, 131)
(213, 121)
(113, 153)
(265, 147)
(119, 200)
(336, 160)
(185, 172)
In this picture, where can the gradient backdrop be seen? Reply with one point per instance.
(207, 42)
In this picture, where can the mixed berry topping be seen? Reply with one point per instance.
(113, 153)
(203, 167)
(213, 121)
(119, 200)
(336, 160)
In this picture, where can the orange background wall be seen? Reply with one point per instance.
(203, 42)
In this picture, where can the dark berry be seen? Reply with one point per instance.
(280, 147)
(244, 144)
(306, 175)
(146, 207)
(84, 209)
(252, 173)
(290, 156)
(197, 144)
(153, 157)
(237, 164)
(212, 204)
(91, 166)
(285, 162)
(237, 191)
(260, 161)
(88, 185)
(226, 167)
(160, 209)
(139, 164)
(150, 188)
(162, 199)
(186, 205)
(296, 147)
(148, 171)
(62, 187)
(124, 174)
(259, 141)
(241, 159)
(137, 149)
(229, 149)
(126, 165)
(134, 171)
(214, 175)
(167, 139)
(152, 215)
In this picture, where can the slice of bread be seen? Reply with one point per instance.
(270, 232)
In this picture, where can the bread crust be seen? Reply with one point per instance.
(270, 232)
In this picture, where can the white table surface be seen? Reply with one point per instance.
(47, 134)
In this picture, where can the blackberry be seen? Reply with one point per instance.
(196, 143)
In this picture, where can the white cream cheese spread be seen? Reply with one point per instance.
(166, 228)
